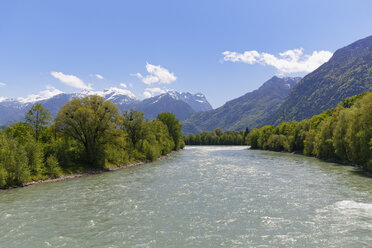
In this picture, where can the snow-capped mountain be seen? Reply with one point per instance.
(180, 104)
(151, 107)
(197, 102)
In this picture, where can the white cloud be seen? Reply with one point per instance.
(149, 92)
(2, 84)
(2, 99)
(291, 61)
(99, 76)
(44, 94)
(123, 85)
(157, 74)
(113, 91)
(70, 80)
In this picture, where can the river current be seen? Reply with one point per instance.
(216, 196)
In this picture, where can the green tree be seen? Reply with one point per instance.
(133, 125)
(218, 132)
(13, 162)
(174, 128)
(253, 137)
(91, 121)
(38, 117)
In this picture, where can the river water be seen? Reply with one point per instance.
(200, 197)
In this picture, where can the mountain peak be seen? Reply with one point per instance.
(248, 110)
(347, 73)
(197, 102)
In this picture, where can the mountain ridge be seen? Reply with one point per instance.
(347, 73)
(182, 104)
(248, 110)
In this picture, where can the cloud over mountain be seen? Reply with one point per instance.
(49, 92)
(157, 74)
(99, 76)
(70, 80)
(290, 61)
(149, 92)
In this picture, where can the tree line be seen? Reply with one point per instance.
(218, 137)
(87, 133)
(341, 134)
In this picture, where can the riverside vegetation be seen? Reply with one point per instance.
(218, 137)
(342, 134)
(87, 134)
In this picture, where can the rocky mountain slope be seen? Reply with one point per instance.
(248, 110)
(347, 73)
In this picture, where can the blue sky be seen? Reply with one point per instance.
(169, 44)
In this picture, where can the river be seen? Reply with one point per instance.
(200, 197)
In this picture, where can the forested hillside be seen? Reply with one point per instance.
(248, 110)
(347, 73)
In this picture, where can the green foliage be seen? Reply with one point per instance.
(174, 129)
(92, 122)
(52, 168)
(346, 74)
(216, 138)
(88, 133)
(218, 132)
(133, 125)
(35, 157)
(278, 143)
(13, 162)
(38, 117)
(266, 133)
(343, 134)
(252, 138)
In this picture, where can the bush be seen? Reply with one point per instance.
(52, 168)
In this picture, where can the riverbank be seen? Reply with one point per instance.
(362, 167)
(89, 172)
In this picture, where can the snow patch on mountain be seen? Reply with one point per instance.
(110, 94)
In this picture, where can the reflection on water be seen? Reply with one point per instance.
(201, 197)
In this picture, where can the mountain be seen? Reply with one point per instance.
(180, 104)
(347, 73)
(151, 107)
(248, 110)
(197, 102)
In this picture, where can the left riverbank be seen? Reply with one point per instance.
(89, 172)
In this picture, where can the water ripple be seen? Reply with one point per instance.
(201, 197)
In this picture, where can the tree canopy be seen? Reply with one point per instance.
(92, 121)
(88, 133)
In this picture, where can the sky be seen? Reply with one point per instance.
(221, 48)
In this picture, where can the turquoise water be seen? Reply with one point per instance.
(200, 197)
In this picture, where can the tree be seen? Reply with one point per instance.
(246, 132)
(174, 128)
(133, 125)
(218, 132)
(253, 137)
(38, 117)
(92, 122)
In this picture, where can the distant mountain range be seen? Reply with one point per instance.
(347, 73)
(249, 110)
(182, 105)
